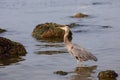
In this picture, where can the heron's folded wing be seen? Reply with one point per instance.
(82, 53)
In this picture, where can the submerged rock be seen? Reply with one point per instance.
(85, 70)
(2, 30)
(50, 52)
(50, 32)
(80, 15)
(10, 48)
(97, 3)
(61, 72)
(73, 25)
(107, 75)
(104, 27)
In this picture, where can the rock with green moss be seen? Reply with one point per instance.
(80, 15)
(107, 75)
(10, 48)
(50, 32)
(2, 30)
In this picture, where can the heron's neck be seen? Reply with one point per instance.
(66, 40)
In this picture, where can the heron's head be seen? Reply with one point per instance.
(64, 28)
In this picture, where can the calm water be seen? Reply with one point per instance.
(20, 17)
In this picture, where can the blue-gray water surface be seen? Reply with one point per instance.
(98, 33)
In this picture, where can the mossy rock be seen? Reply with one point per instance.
(107, 75)
(50, 32)
(10, 48)
(61, 72)
(2, 30)
(80, 15)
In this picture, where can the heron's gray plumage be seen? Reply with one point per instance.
(81, 53)
(78, 52)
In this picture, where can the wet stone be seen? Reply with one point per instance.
(79, 15)
(107, 75)
(61, 72)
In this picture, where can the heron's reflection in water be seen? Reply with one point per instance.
(84, 73)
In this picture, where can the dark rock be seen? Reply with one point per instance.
(100, 3)
(106, 27)
(61, 73)
(97, 3)
(73, 25)
(2, 30)
(107, 75)
(10, 48)
(80, 15)
(50, 32)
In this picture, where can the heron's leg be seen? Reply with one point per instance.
(78, 62)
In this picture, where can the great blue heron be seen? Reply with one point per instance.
(78, 52)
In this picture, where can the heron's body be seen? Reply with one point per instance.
(78, 52)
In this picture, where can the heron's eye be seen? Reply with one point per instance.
(76, 57)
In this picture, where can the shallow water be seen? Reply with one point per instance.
(20, 17)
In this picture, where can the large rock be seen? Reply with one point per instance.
(49, 32)
(10, 48)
